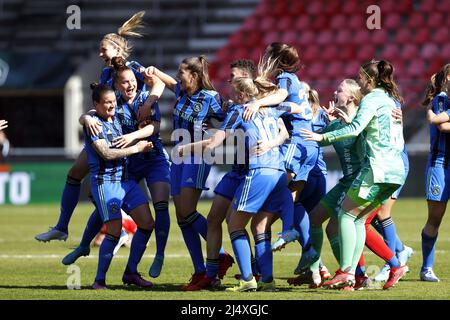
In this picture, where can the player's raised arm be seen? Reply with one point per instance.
(168, 81)
(157, 86)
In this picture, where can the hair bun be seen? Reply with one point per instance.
(93, 85)
(118, 62)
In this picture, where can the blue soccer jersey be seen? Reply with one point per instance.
(191, 112)
(439, 141)
(296, 94)
(101, 170)
(261, 127)
(107, 75)
(127, 115)
(319, 122)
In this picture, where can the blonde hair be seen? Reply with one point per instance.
(352, 87)
(128, 29)
(312, 96)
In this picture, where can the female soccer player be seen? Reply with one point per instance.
(437, 167)
(112, 45)
(282, 61)
(111, 190)
(197, 103)
(152, 166)
(380, 176)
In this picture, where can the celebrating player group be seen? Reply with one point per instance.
(278, 128)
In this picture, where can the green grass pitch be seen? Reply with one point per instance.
(33, 270)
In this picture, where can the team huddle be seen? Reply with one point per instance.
(277, 128)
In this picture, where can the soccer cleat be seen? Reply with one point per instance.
(403, 256)
(383, 275)
(361, 282)
(205, 283)
(257, 276)
(340, 280)
(427, 274)
(304, 278)
(122, 240)
(394, 276)
(99, 285)
(307, 259)
(324, 273)
(75, 254)
(155, 269)
(225, 262)
(284, 238)
(137, 280)
(317, 280)
(51, 234)
(196, 277)
(244, 286)
(266, 286)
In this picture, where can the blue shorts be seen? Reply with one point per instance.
(314, 190)
(406, 164)
(188, 176)
(299, 159)
(262, 189)
(229, 184)
(157, 170)
(437, 184)
(109, 198)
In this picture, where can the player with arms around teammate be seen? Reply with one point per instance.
(379, 177)
(112, 190)
(438, 172)
(197, 103)
(112, 45)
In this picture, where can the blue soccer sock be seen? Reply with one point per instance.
(428, 249)
(194, 246)
(301, 220)
(93, 226)
(389, 233)
(69, 200)
(393, 262)
(137, 249)
(360, 271)
(264, 256)
(287, 212)
(242, 252)
(162, 226)
(105, 256)
(399, 246)
(376, 224)
(212, 268)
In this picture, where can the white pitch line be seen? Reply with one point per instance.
(170, 256)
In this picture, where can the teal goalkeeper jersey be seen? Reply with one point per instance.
(383, 136)
(351, 152)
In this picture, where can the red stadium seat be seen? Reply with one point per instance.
(351, 69)
(350, 7)
(338, 22)
(417, 69)
(325, 37)
(436, 20)
(268, 24)
(403, 36)
(429, 51)
(344, 36)
(311, 52)
(416, 20)
(329, 52)
(290, 37)
(428, 6)
(366, 53)
(409, 51)
(441, 35)
(302, 23)
(362, 37)
(316, 70)
(297, 8)
(250, 24)
(445, 52)
(307, 37)
(422, 36)
(332, 8)
(335, 70)
(347, 52)
(314, 8)
(404, 6)
(379, 37)
(286, 23)
(357, 22)
(390, 51)
(320, 22)
(392, 21)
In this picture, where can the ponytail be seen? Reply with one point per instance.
(199, 65)
(438, 83)
(128, 29)
(119, 66)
